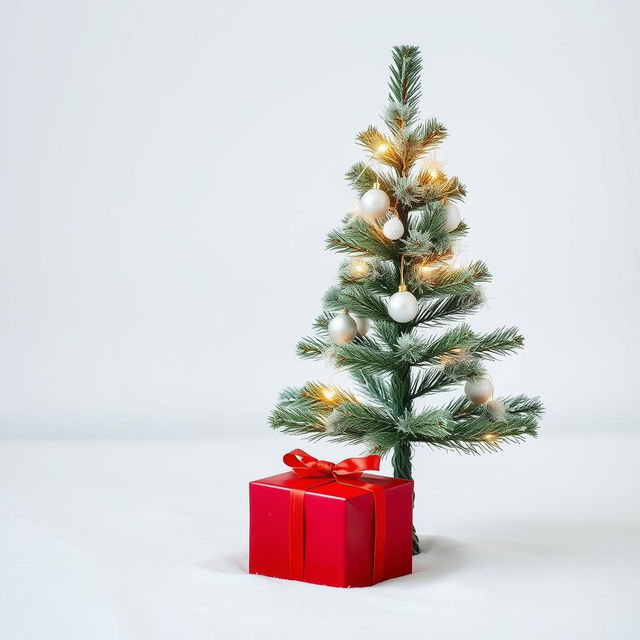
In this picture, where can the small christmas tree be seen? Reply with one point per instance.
(403, 277)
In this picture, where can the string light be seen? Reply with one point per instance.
(425, 270)
(446, 263)
(360, 267)
(454, 356)
(328, 393)
(381, 148)
(335, 397)
(433, 167)
(490, 437)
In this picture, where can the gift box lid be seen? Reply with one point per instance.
(333, 487)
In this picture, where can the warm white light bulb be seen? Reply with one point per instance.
(433, 166)
(360, 267)
(425, 270)
(328, 393)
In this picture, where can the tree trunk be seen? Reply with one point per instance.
(401, 461)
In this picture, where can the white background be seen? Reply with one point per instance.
(168, 172)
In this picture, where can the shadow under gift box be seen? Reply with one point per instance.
(337, 529)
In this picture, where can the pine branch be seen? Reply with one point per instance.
(449, 308)
(414, 143)
(382, 147)
(499, 342)
(324, 397)
(429, 189)
(319, 410)
(373, 386)
(384, 279)
(442, 281)
(295, 419)
(311, 348)
(429, 222)
(429, 219)
(415, 350)
(362, 239)
(321, 324)
(362, 418)
(405, 190)
(414, 193)
(357, 271)
(461, 426)
(349, 422)
(362, 357)
(429, 134)
(483, 428)
(521, 404)
(404, 87)
(475, 431)
(430, 380)
(359, 299)
(432, 423)
(460, 365)
(462, 408)
(387, 331)
(362, 178)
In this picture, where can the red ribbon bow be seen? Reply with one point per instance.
(345, 472)
(306, 466)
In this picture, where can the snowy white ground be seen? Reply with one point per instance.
(148, 540)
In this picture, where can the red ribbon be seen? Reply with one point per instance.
(346, 472)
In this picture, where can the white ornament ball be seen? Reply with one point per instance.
(479, 390)
(453, 217)
(375, 204)
(393, 229)
(343, 328)
(362, 324)
(403, 306)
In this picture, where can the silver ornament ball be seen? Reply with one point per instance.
(479, 390)
(343, 328)
(362, 324)
(393, 229)
(374, 204)
(453, 217)
(403, 306)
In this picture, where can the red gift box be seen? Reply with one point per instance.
(331, 523)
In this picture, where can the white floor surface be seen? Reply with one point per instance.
(148, 540)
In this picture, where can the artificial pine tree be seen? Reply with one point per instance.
(402, 276)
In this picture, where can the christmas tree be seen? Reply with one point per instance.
(401, 279)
